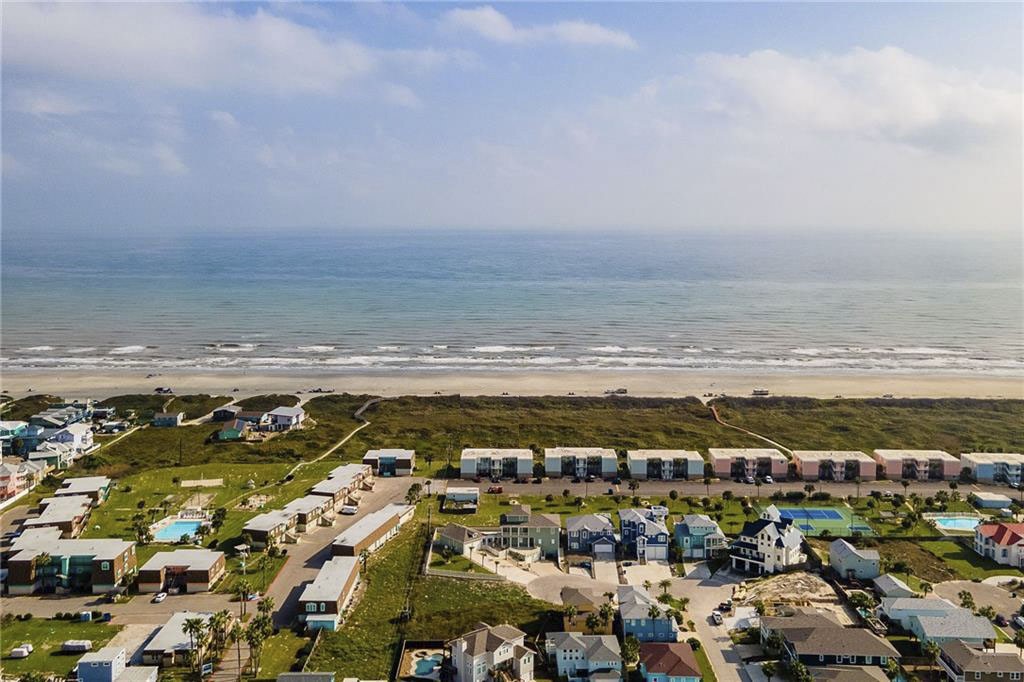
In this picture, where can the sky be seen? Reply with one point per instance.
(160, 117)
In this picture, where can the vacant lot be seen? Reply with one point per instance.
(46, 636)
(953, 425)
(195, 406)
(438, 428)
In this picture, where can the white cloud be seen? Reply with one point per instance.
(168, 159)
(40, 102)
(224, 120)
(401, 95)
(886, 94)
(491, 24)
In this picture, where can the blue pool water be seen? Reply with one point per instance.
(956, 523)
(173, 531)
(425, 666)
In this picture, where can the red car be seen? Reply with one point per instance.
(495, 489)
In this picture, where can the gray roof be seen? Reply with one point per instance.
(83, 485)
(397, 453)
(287, 412)
(959, 624)
(933, 605)
(643, 516)
(270, 520)
(460, 533)
(171, 637)
(194, 559)
(839, 641)
(636, 602)
(595, 647)
(331, 579)
(841, 549)
(970, 659)
(849, 673)
(61, 509)
(307, 504)
(594, 523)
(485, 638)
(369, 524)
(891, 586)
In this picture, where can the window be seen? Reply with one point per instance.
(105, 566)
(310, 608)
(1014, 676)
(821, 658)
(977, 676)
(323, 607)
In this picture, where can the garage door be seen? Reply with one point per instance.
(604, 551)
(657, 553)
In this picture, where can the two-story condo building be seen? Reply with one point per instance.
(741, 463)
(96, 488)
(172, 646)
(937, 620)
(323, 601)
(1003, 543)
(371, 532)
(68, 514)
(993, 467)
(834, 465)
(642, 616)
(665, 465)
(591, 533)
(391, 462)
(58, 417)
(485, 649)
(644, 534)
(96, 565)
(770, 544)
(187, 570)
(668, 662)
(581, 658)
(516, 463)
(285, 418)
(580, 462)
(917, 465)
(9, 432)
(698, 536)
(345, 483)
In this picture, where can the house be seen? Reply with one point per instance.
(698, 536)
(391, 462)
(644, 534)
(344, 483)
(227, 413)
(98, 565)
(521, 529)
(1003, 543)
(961, 662)
(78, 436)
(257, 418)
(643, 617)
(770, 544)
(917, 465)
(68, 514)
(286, 418)
(459, 539)
(187, 570)
(937, 620)
(18, 476)
(585, 601)
(668, 662)
(984, 500)
(514, 463)
(591, 533)
(742, 463)
(171, 645)
(888, 585)
(580, 658)
(484, 649)
(57, 417)
(373, 530)
(834, 465)
(102, 414)
(110, 664)
(168, 418)
(322, 602)
(580, 462)
(96, 488)
(11, 431)
(852, 563)
(461, 499)
(993, 467)
(815, 639)
(665, 465)
(235, 429)
(53, 455)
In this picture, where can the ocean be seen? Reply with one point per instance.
(528, 300)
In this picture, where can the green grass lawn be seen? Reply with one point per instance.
(456, 563)
(966, 562)
(195, 406)
(281, 653)
(46, 636)
(707, 673)
(438, 426)
(953, 425)
(259, 572)
(151, 448)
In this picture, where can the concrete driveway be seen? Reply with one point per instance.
(705, 593)
(984, 595)
(606, 571)
(654, 571)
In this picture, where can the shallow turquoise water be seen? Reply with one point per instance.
(956, 523)
(174, 530)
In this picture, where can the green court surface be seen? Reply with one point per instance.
(838, 521)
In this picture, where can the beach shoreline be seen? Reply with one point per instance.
(678, 383)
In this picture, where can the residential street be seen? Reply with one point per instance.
(705, 593)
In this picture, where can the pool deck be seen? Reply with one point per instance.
(407, 667)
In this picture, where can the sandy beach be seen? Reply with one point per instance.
(80, 384)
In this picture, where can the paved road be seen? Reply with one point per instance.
(705, 593)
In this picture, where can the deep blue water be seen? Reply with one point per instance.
(513, 300)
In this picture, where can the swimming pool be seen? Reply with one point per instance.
(173, 531)
(965, 523)
(426, 666)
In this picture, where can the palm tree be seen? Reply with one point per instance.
(856, 480)
(610, 596)
(926, 588)
(570, 612)
(193, 627)
(647, 585)
(1018, 640)
(654, 612)
(768, 668)
(265, 606)
(593, 623)
(243, 589)
(363, 556)
(707, 486)
(906, 484)
(43, 560)
(757, 484)
(664, 585)
(606, 612)
(932, 651)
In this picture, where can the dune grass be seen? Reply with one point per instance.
(195, 406)
(144, 405)
(268, 402)
(23, 408)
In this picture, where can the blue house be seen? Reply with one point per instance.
(699, 537)
(644, 534)
(591, 533)
(643, 617)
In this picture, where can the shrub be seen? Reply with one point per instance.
(549, 498)
(673, 495)
(694, 643)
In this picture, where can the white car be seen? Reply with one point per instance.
(716, 617)
(159, 597)
(769, 479)
(349, 510)
(1018, 621)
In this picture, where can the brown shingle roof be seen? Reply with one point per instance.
(972, 660)
(674, 659)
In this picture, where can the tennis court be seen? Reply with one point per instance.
(838, 521)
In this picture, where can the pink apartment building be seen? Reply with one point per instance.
(753, 462)
(834, 465)
(917, 465)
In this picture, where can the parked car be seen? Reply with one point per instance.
(536, 479)
(495, 479)
(159, 597)
(495, 489)
(577, 479)
(1018, 621)
(716, 617)
(617, 481)
(349, 510)
(1001, 621)
(749, 480)
(585, 564)
(725, 606)
(769, 479)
